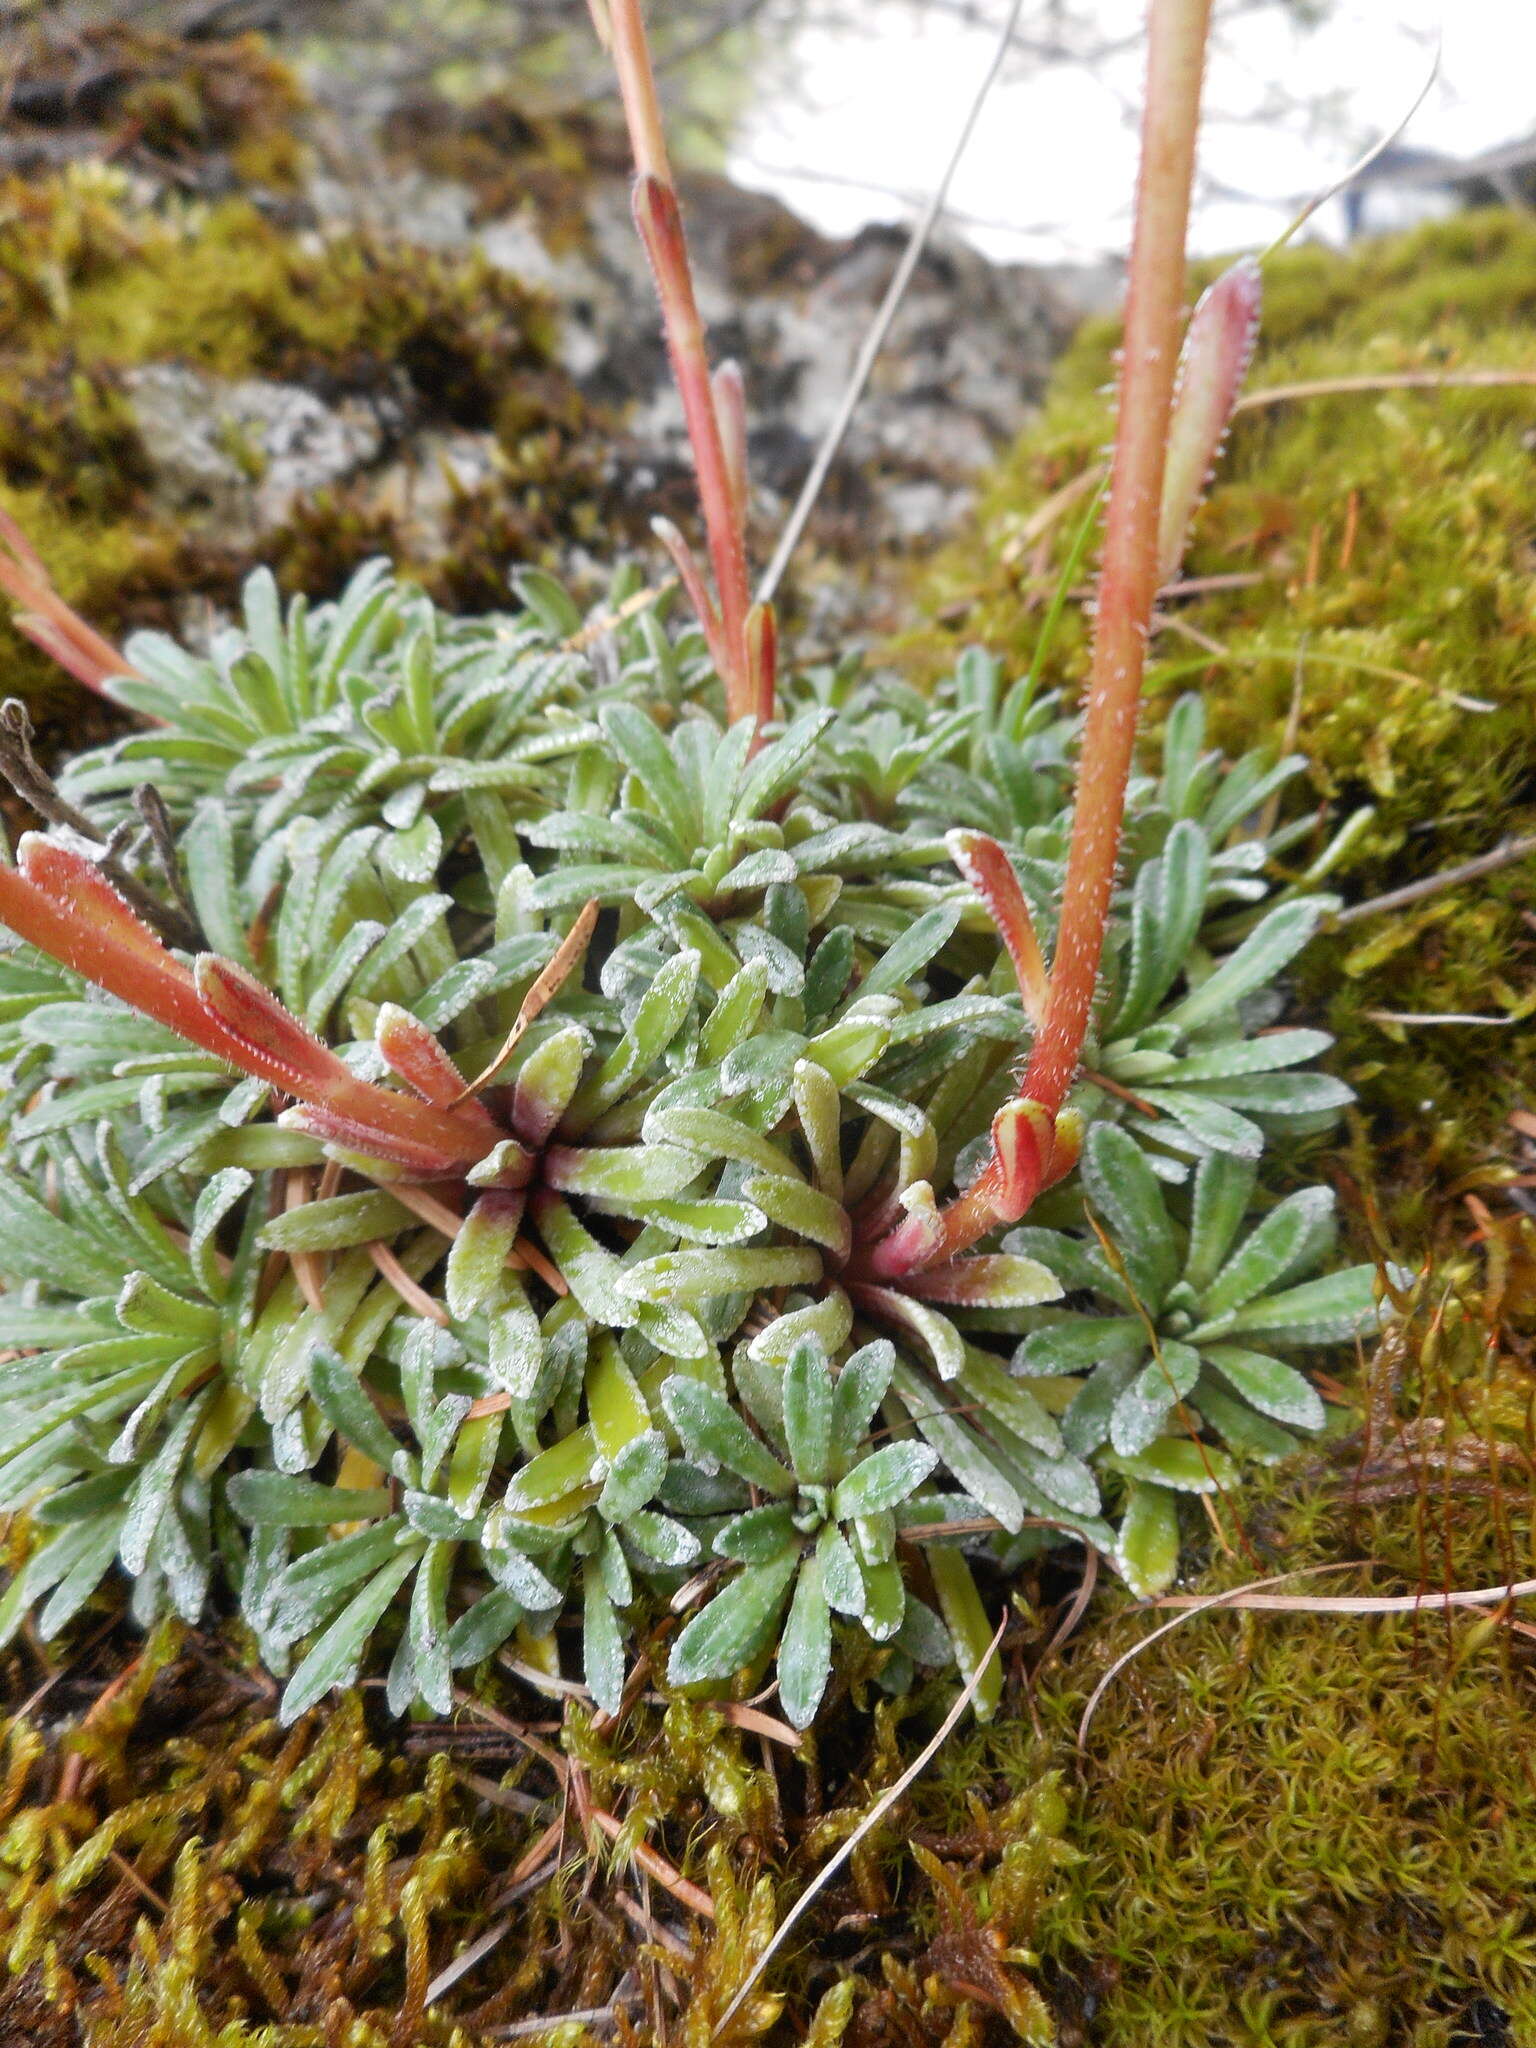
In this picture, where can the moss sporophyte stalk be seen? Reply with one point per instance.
(529, 1116)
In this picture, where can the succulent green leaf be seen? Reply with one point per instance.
(1168, 905)
(861, 1385)
(689, 1276)
(1223, 1188)
(1214, 1125)
(1080, 1344)
(969, 1629)
(850, 1047)
(706, 1220)
(805, 1648)
(802, 1210)
(1147, 1547)
(826, 1322)
(1293, 1237)
(430, 1515)
(477, 1259)
(661, 1539)
(150, 1500)
(427, 1629)
(1266, 1384)
(842, 1580)
(1271, 946)
(826, 977)
(336, 1223)
(482, 1628)
(1252, 1056)
(736, 1626)
(982, 1381)
(1130, 1205)
(547, 1080)
(883, 1479)
(960, 1447)
(602, 1642)
(1143, 1408)
(344, 1402)
(736, 1012)
(885, 1599)
(713, 1433)
(715, 1135)
(758, 1535)
(336, 1656)
(633, 1477)
(551, 1478)
(40, 1247)
(287, 1500)
(988, 1280)
(1180, 1463)
(633, 1174)
(904, 962)
(808, 1415)
(1241, 1428)
(639, 745)
(1333, 1310)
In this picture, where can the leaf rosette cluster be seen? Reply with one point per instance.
(484, 1220)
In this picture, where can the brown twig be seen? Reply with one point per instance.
(36, 788)
(652, 1928)
(411, 1292)
(548, 984)
(655, 1865)
(1402, 380)
(1501, 856)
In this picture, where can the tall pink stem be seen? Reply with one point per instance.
(1128, 586)
(660, 221)
(1021, 1163)
(1177, 32)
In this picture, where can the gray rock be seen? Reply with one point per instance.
(961, 371)
(244, 452)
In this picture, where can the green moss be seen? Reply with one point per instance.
(1285, 1828)
(1379, 544)
(92, 286)
(1305, 1828)
(511, 157)
(222, 105)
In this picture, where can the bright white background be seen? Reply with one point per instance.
(869, 124)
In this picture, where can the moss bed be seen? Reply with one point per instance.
(1281, 1828)
(206, 257)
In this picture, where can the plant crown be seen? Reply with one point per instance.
(439, 1253)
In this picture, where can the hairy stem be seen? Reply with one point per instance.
(1128, 586)
(1177, 32)
(659, 219)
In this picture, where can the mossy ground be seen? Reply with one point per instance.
(100, 274)
(1281, 1828)
(1284, 1828)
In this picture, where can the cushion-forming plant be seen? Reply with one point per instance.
(520, 1116)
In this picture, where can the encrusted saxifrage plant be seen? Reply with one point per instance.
(496, 1164)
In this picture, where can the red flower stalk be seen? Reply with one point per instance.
(47, 621)
(986, 866)
(1033, 1142)
(59, 901)
(742, 645)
